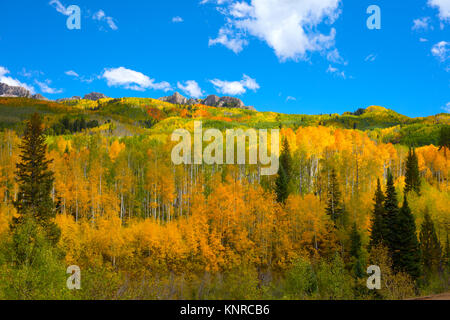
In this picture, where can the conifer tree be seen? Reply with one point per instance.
(378, 232)
(412, 175)
(405, 247)
(430, 247)
(355, 251)
(35, 181)
(283, 181)
(444, 139)
(391, 211)
(334, 205)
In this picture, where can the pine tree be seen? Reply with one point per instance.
(444, 139)
(35, 181)
(412, 175)
(378, 232)
(355, 251)
(446, 256)
(405, 247)
(391, 211)
(334, 206)
(283, 181)
(430, 246)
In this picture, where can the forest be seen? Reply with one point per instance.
(92, 184)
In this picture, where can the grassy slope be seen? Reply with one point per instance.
(150, 116)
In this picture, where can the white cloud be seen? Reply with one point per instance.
(371, 58)
(441, 50)
(191, 88)
(177, 19)
(60, 7)
(235, 87)
(101, 16)
(132, 80)
(443, 6)
(422, 24)
(13, 82)
(335, 57)
(289, 98)
(336, 72)
(446, 108)
(423, 40)
(72, 73)
(289, 27)
(45, 87)
(229, 39)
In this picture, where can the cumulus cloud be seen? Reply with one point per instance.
(177, 19)
(229, 39)
(101, 16)
(422, 24)
(132, 80)
(235, 87)
(443, 6)
(45, 87)
(13, 82)
(441, 50)
(191, 88)
(289, 27)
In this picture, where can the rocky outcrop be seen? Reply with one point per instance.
(39, 97)
(212, 101)
(10, 91)
(94, 96)
(176, 98)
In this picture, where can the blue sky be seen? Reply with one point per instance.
(290, 56)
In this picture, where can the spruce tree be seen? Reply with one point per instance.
(405, 246)
(284, 177)
(356, 251)
(334, 205)
(378, 232)
(391, 212)
(430, 247)
(412, 175)
(35, 181)
(444, 139)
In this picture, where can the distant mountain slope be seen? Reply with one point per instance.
(128, 116)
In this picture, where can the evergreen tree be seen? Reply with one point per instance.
(405, 247)
(355, 252)
(446, 258)
(430, 246)
(35, 181)
(283, 181)
(378, 232)
(444, 139)
(412, 175)
(334, 206)
(391, 212)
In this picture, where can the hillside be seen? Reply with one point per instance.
(130, 116)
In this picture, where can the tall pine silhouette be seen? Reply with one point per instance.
(335, 208)
(378, 232)
(391, 211)
(283, 181)
(405, 246)
(35, 181)
(412, 175)
(430, 246)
